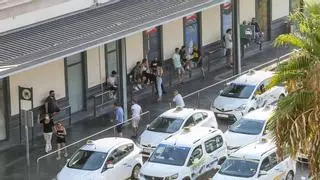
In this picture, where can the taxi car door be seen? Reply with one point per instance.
(120, 169)
(271, 169)
(196, 162)
(263, 95)
(214, 149)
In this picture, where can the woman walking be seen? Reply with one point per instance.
(47, 131)
(61, 133)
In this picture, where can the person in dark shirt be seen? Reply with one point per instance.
(47, 131)
(51, 106)
(61, 133)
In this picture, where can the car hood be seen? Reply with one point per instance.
(218, 176)
(159, 170)
(238, 139)
(227, 103)
(75, 174)
(152, 138)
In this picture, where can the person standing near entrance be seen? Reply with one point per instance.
(47, 131)
(119, 116)
(50, 104)
(228, 46)
(61, 133)
(159, 73)
(176, 59)
(135, 111)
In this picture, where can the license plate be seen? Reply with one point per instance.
(222, 115)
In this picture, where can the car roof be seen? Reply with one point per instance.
(190, 136)
(182, 113)
(253, 77)
(256, 150)
(263, 113)
(105, 144)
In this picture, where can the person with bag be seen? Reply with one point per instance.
(197, 60)
(50, 104)
(60, 132)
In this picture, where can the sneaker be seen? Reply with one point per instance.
(58, 158)
(139, 86)
(136, 88)
(65, 154)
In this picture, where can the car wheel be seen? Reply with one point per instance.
(251, 109)
(135, 172)
(281, 96)
(186, 178)
(290, 176)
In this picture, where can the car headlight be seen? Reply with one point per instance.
(241, 108)
(175, 176)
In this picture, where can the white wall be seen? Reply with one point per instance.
(42, 79)
(247, 10)
(172, 37)
(210, 31)
(134, 49)
(96, 66)
(280, 9)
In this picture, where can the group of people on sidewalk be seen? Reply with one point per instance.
(50, 109)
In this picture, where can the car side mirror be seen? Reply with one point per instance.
(110, 166)
(254, 97)
(195, 161)
(68, 160)
(220, 92)
(217, 167)
(148, 125)
(262, 173)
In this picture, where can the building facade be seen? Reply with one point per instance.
(74, 54)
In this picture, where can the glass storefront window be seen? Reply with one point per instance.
(152, 43)
(3, 134)
(191, 27)
(111, 50)
(226, 11)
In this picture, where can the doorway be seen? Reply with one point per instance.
(152, 43)
(263, 17)
(3, 130)
(191, 32)
(75, 82)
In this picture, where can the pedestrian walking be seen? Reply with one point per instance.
(176, 58)
(177, 99)
(197, 60)
(159, 74)
(50, 104)
(185, 60)
(228, 46)
(47, 131)
(136, 111)
(119, 117)
(61, 133)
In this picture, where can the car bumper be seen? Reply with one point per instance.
(227, 115)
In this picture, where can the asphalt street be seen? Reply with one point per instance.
(15, 168)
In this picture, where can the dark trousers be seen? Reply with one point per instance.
(155, 85)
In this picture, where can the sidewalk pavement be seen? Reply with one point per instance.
(13, 161)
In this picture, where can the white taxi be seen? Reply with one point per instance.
(171, 122)
(108, 158)
(186, 155)
(246, 93)
(256, 161)
(250, 128)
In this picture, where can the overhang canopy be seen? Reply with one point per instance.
(52, 40)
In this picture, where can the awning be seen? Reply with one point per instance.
(53, 40)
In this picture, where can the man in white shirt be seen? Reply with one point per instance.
(177, 99)
(228, 46)
(135, 111)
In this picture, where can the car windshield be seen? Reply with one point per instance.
(165, 124)
(171, 155)
(239, 167)
(247, 126)
(87, 160)
(242, 91)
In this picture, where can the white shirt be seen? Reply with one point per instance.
(228, 41)
(136, 110)
(112, 80)
(178, 100)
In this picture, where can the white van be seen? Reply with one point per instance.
(187, 155)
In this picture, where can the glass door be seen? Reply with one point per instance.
(152, 43)
(75, 77)
(226, 16)
(191, 28)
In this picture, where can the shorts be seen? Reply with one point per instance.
(119, 128)
(135, 122)
(228, 52)
(180, 70)
(61, 140)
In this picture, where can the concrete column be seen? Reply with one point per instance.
(123, 77)
(236, 37)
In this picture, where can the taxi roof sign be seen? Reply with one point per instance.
(90, 142)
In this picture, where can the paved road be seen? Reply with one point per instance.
(14, 168)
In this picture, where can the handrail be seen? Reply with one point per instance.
(226, 80)
(86, 138)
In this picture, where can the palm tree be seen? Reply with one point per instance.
(295, 125)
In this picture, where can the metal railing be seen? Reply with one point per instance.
(273, 62)
(125, 123)
(103, 99)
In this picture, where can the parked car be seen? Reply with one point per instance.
(186, 155)
(249, 128)
(256, 161)
(245, 94)
(108, 158)
(171, 122)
